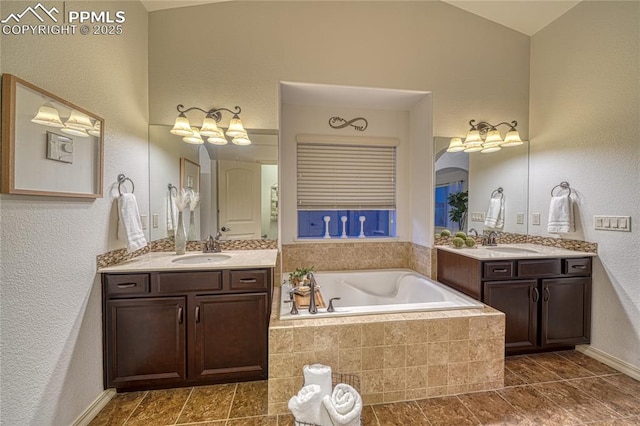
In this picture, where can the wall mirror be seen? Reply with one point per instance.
(238, 185)
(482, 175)
(49, 146)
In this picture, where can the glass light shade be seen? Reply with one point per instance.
(473, 148)
(48, 116)
(218, 140)
(75, 132)
(182, 127)
(242, 139)
(493, 137)
(473, 139)
(95, 131)
(209, 127)
(512, 138)
(194, 138)
(455, 145)
(491, 147)
(78, 120)
(236, 128)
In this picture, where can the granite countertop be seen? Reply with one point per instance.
(165, 261)
(515, 251)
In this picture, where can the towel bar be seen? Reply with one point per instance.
(499, 191)
(562, 185)
(121, 179)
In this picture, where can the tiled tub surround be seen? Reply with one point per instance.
(398, 357)
(357, 256)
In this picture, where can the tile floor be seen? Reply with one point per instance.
(559, 388)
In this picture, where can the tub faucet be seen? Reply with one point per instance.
(212, 245)
(313, 309)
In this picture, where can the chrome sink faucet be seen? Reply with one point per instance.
(212, 245)
(490, 239)
(313, 309)
(475, 233)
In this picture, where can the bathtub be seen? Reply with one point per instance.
(379, 292)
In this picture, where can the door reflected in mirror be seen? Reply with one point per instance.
(479, 176)
(238, 185)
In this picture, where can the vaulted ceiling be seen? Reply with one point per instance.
(525, 16)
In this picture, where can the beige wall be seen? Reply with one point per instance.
(585, 105)
(235, 53)
(50, 299)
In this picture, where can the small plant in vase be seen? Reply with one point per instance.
(299, 275)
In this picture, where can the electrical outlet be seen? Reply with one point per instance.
(535, 218)
(612, 223)
(519, 218)
(144, 220)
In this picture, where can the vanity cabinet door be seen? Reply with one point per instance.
(229, 337)
(145, 341)
(566, 313)
(519, 301)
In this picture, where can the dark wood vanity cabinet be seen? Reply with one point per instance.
(169, 329)
(547, 302)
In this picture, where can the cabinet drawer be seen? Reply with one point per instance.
(127, 284)
(500, 270)
(250, 279)
(580, 266)
(538, 268)
(179, 282)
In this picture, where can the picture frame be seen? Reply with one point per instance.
(189, 174)
(50, 146)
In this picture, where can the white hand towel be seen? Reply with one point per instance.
(172, 216)
(495, 213)
(129, 222)
(318, 374)
(344, 406)
(307, 405)
(561, 215)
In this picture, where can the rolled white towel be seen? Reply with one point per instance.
(318, 374)
(344, 406)
(306, 405)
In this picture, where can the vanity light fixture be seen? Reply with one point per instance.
(209, 128)
(492, 138)
(78, 123)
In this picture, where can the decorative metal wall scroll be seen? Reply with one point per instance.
(358, 123)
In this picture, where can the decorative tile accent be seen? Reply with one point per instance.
(512, 238)
(167, 244)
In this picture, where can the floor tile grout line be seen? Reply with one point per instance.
(136, 407)
(605, 403)
(183, 406)
(515, 374)
(553, 403)
(468, 409)
(235, 390)
(375, 416)
(423, 413)
(529, 419)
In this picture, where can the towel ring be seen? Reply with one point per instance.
(121, 179)
(171, 189)
(498, 191)
(562, 185)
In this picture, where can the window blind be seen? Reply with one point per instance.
(346, 177)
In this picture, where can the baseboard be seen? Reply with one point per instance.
(611, 361)
(92, 410)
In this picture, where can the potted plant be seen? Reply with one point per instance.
(298, 276)
(458, 211)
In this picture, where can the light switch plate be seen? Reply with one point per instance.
(154, 220)
(535, 218)
(612, 223)
(477, 217)
(519, 218)
(144, 220)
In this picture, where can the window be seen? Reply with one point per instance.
(346, 180)
(442, 204)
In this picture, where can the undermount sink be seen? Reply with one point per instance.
(195, 259)
(513, 250)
